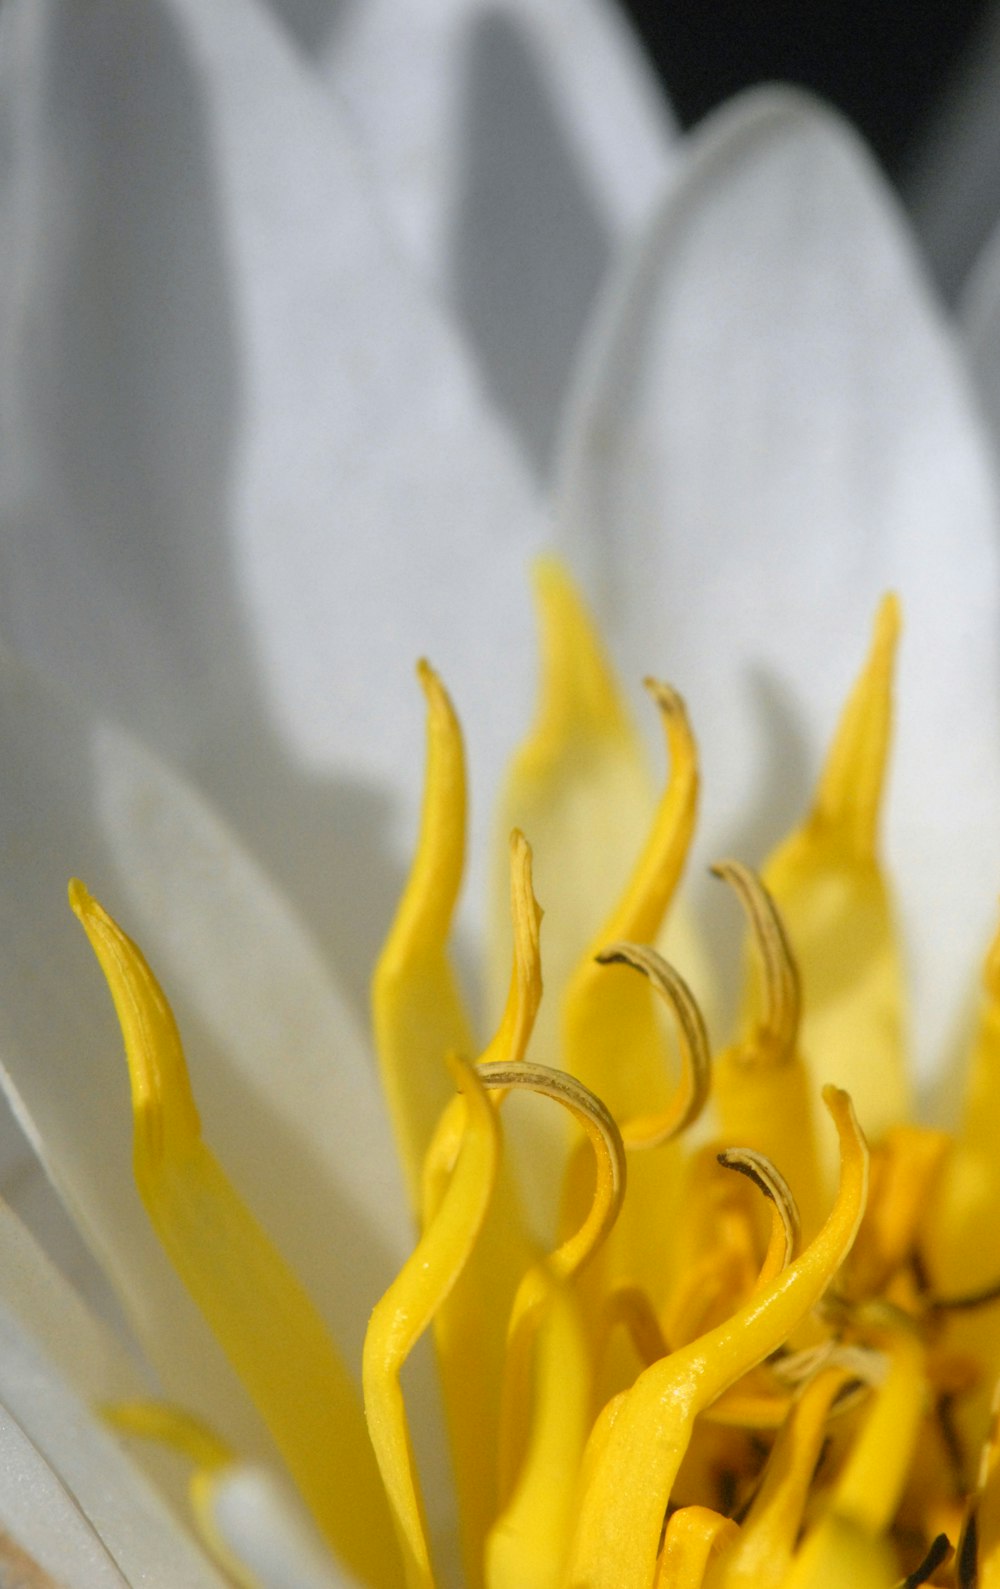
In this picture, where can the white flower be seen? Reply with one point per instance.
(271, 430)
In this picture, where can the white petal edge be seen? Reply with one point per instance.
(285, 1087)
(68, 1494)
(402, 73)
(979, 322)
(235, 528)
(773, 426)
(512, 146)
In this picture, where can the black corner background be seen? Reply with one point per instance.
(884, 65)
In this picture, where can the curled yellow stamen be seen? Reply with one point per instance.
(535, 1289)
(773, 1040)
(605, 1139)
(409, 1305)
(540, 1449)
(785, 1221)
(762, 1091)
(600, 1014)
(629, 1485)
(650, 1131)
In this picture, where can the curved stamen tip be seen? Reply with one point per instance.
(650, 1131)
(670, 702)
(605, 1138)
(777, 1030)
(768, 1179)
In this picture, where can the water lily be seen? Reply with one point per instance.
(771, 426)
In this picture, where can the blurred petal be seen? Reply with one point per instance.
(952, 187)
(772, 428)
(251, 472)
(512, 145)
(979, 321)
(265, 1529)
(286, 1090)
(69, 1497)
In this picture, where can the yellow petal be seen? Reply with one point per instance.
(578, 788)
(471, 1324)
(408, 1307)
(527, 1545)
(869, 1488)
(828, 886)
(629, 1485)
(260, 1314)
(850, 1537)
(417, 1007)
(840, 1555)
(611, 1040)
(962, 1232)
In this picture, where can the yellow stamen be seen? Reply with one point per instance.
(985, 1508)
(417, 1008)
(470, 1324)
(527, 1545)
(628, 1307)
(607, 1015)
(762, 1090)
(257, 1309)
(578, 786)
(694, 1538)
(621, 1512)
(524, 995)
(569, 1258)
(825, 880)
(209, 1456)
(784, 1213)
(651, 1131)
(408, 1307)
(868, 1491)
(170, 1426)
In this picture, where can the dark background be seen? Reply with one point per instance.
(885, 65)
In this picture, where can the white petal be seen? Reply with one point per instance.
(93, 1359)
(267, 1531)
(68, 1495)
(513, 145)
(284, 1084)
(773, 428)
(251, 474)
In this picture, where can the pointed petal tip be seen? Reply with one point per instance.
(80, 899)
